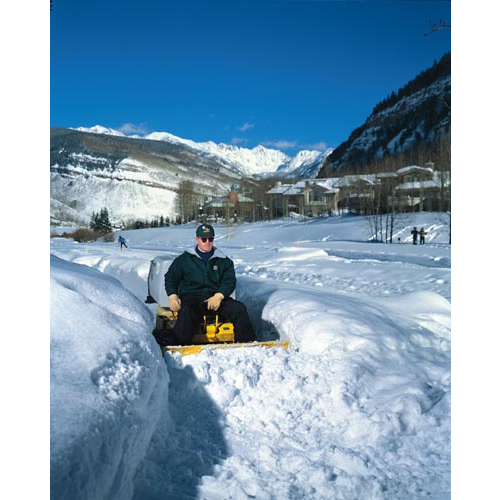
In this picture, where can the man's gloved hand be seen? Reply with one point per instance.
(214, 301)
(174, 303)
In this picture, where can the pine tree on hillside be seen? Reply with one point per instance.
(94, 221)
(105, 224)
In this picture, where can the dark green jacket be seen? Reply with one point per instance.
(189, 274)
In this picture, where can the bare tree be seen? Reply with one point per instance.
(440, 25)
(188, 200)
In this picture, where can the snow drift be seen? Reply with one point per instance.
(359, 407)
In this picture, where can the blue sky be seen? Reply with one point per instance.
(289, 74)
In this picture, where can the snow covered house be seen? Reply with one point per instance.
(421, 188)
(309, 197)
(233, 205)
(276, 200)
(409, 189)
(357, 192)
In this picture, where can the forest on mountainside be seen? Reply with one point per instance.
(409, 124)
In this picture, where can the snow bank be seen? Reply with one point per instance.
(358, 407)
(109, 386)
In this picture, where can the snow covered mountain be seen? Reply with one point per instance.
(99, 129)
(305, 163)
(415, 121)
(134, 178)
(258, 160)
(140, 177)
(255, 161)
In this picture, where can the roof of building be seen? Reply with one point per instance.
(223, 201)
(279, 189)
(417, 185)
(411, 168)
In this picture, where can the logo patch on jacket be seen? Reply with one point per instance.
(214, 268)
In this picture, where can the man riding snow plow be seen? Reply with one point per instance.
(201, 311)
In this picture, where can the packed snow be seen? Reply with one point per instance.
(357, 408)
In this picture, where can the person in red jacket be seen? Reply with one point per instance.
(203, 278)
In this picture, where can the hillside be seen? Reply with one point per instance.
(134, 178)
(139, 177)
(410, 120)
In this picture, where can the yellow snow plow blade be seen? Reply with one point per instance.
(185, 350)
(212, 335)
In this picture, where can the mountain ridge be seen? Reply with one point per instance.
(405, 123)
(254, 161)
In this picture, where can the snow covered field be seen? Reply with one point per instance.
(357, 408)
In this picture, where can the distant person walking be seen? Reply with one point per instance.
(122, 242)
(414, 233)
(422, 234)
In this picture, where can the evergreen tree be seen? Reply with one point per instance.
(100, 221)
(105, 225)
(94, 221)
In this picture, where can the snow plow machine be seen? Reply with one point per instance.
(212, 333)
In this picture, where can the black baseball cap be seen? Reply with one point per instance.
(205, 230)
